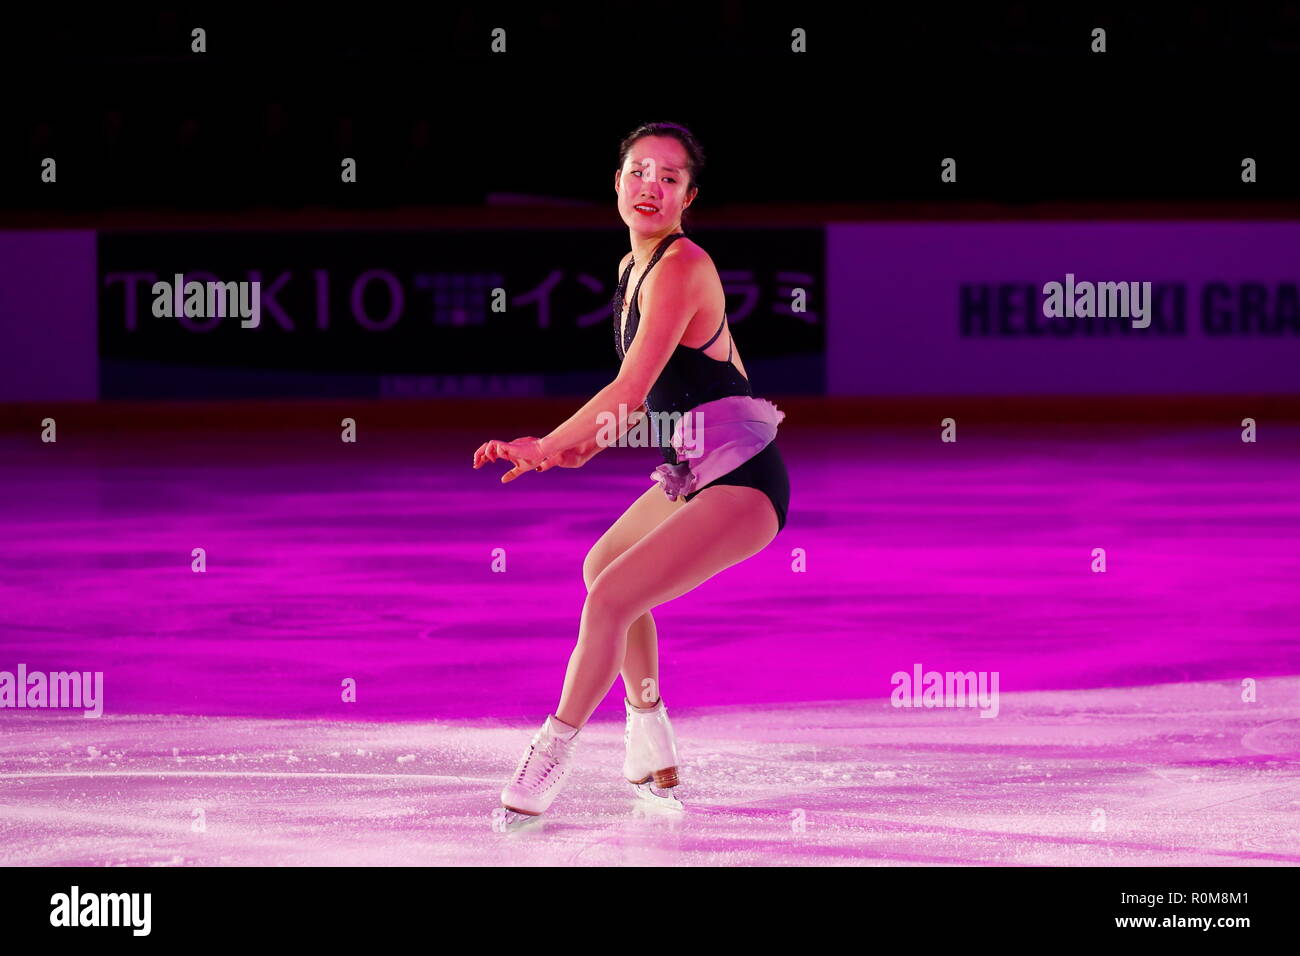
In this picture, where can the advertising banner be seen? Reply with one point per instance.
(421, 314)
(1029, 308)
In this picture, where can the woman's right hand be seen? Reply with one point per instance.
(574, 457)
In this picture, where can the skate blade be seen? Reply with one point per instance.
(512, 821)
(656, 796)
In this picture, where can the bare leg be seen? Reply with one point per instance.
(721, 526)
(641, 660)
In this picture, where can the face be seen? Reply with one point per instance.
(654, 175)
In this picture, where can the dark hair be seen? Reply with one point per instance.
(694, 151)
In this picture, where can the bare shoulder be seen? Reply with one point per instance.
(688, 250)
(622, 264)
(686, 261)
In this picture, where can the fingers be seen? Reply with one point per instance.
(505, 451)
(488, 451)
(521, 466)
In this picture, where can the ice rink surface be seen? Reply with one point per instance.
(1175, 775)
(1121, 736)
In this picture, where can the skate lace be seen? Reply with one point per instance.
(538, 764)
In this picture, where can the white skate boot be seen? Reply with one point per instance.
(541, 774)
(650, 765)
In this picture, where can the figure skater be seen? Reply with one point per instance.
(720, 459)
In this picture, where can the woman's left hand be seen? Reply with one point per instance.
(524, 453)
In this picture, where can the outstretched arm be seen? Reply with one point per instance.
(593, 420)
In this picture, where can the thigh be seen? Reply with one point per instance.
(765, 471)
(722, 525)
(644, 514)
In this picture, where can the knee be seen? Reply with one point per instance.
(597, 560)
(609, 602)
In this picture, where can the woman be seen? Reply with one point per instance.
(674, 361)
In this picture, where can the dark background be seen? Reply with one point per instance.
(1011, 91)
